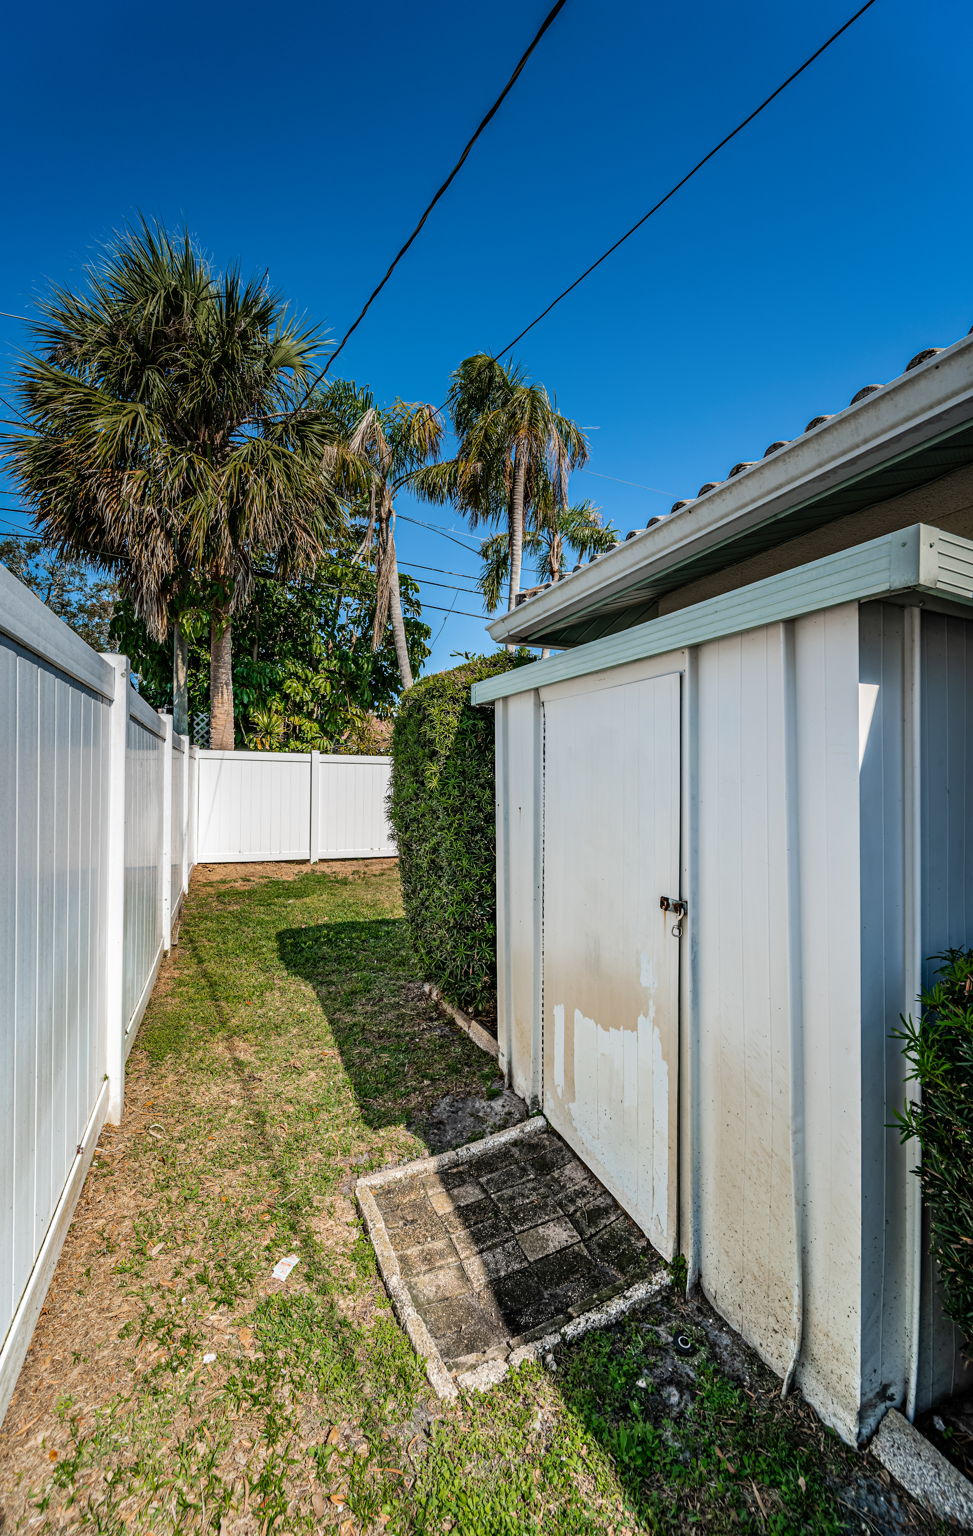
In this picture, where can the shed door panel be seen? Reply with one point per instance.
(611, 964)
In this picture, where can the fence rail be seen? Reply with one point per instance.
(103, 814)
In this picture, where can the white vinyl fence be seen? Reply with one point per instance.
(292, 805)
(103, 813)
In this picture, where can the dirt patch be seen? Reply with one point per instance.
(460, 1117)
(243, 875)
(950, 1428)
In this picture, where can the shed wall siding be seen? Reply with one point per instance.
(777, 905)
(889, 950)
(519, 912)
(740, 913)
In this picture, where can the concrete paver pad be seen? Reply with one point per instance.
(498, 1244)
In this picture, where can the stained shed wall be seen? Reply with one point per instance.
(777, 986)
(792, 1190)
(519, 745)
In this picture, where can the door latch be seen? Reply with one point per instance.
(678, 909)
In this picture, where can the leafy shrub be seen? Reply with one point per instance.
(441, 803)
(940, 1052)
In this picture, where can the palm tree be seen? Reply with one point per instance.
(375, 452)
(578, 528)
(513, 455)
(167, 446)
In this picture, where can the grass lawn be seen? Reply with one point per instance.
(175, 1386)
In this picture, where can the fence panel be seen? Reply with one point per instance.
(265, 805)
(102, 815)
(54, 703)
(145, 748)
(179, 829)
(352, 819)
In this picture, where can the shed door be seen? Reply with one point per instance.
(611, 963)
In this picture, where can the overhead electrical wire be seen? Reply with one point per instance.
(688, 176)
(662, 201)
(484, 122)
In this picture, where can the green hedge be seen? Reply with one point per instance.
(441, 803)
(940, 1052)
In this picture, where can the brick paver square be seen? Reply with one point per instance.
(508, 1245)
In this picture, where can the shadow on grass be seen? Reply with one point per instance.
(399, 1055)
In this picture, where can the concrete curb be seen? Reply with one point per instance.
(922, 1470)
(490, 1371)
(455, 1155)
(480, 1036)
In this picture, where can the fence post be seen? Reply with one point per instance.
(114, 944)
(165, 850)
(193, 810)
(315, 809)
(187, 814)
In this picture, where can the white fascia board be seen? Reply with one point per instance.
(902, 415)
(919, 558)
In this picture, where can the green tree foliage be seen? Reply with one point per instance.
(939, 1050)
(166, 439)
(376, 451)
(68, 587)
(441, 803)
(514, 453)
(578, 529)
(305, 676)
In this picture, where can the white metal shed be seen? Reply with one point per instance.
(788, 757)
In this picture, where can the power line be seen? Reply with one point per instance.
(439, 570)
(433, 529)
(427, 581)
(634, 483)
(484, 122)
(688, 176)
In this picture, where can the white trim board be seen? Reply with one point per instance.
(921, 406)
(920, 559)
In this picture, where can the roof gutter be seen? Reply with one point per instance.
(920, 560)
(912, 410)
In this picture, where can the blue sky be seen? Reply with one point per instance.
(821, 250)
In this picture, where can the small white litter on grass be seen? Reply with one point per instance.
(283, 1267)
(208, 1359)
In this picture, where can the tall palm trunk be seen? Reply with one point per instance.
(395, 614)
(221, 682)
(180, 681)
(516, 527)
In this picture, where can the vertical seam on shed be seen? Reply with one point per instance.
(795, 989)
(542, 882)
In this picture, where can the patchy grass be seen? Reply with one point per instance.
(174, 1386)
